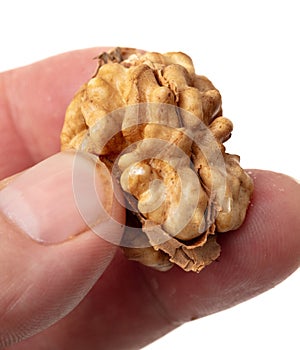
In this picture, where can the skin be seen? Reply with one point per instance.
(93, 298)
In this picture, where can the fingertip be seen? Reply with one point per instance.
(266, 248)
(273, 214)
(50, 257)
(268, 184)
(61, 197)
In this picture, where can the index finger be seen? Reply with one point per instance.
(33, 101)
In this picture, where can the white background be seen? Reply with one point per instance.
(250, 50)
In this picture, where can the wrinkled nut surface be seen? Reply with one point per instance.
(159, 128)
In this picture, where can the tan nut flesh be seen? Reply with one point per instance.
(159, 128)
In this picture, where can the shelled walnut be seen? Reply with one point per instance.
(159, 128)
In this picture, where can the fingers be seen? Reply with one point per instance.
(262, 253)
(254, 259)
(49, 259)
(33, 101)
(140, 305)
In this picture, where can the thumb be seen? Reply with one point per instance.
(49, 257)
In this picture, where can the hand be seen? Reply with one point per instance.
(80, 292)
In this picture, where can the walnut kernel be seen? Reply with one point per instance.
(159, 128)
